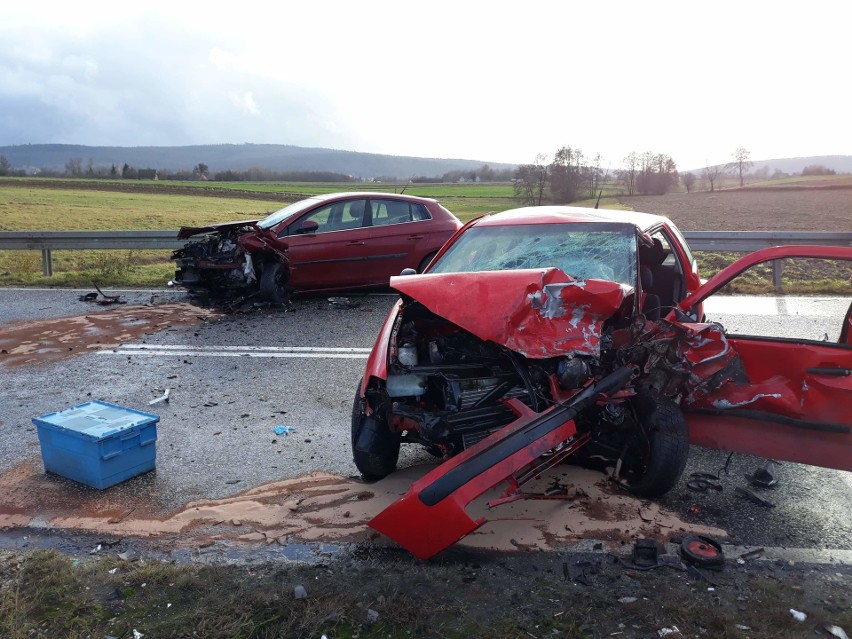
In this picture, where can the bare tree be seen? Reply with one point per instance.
(201, 171)
(688, 180)
(594, 175)
(566, 175)
(712, 174)
(658, 174)
(530, 181)
(627, 175)
(5, 165)
(741, 162)
(74, 167)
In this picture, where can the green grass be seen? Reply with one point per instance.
(46, 594)
(49, 209)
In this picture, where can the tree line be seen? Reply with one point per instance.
(571, 175)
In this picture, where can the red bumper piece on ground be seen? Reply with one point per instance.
(431, 515)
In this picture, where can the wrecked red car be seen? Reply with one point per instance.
(323, 243)
(545, 333)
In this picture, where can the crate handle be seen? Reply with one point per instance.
(146, 442)
(111, 455)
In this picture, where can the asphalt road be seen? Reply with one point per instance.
(233, 380)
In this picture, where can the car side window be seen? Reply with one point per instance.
(795, 298)
(340, 216)
(386, 212)
(664, 271)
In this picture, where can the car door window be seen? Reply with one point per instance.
(663, 270)
(339, 216)
(809, 303)
(385, 212)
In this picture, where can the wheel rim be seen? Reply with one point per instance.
(702, 549)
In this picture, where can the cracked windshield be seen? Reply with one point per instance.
(583, 251)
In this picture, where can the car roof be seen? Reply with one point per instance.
(372, 194)
(571, 214)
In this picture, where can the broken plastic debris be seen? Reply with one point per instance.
(763, 477)
(163, 398)
(372, 616)
(836, 631)
(299, 592)
(745, 492)
(128, 555)
(742, 626)
(666, 632)
(95, 550)
(137, 634)
(627, 600)
(284, 430)
(798, 616)
(342, 302)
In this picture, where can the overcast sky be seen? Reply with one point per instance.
(465, 79)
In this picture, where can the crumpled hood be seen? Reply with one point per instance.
(189, 231)
(538, 313)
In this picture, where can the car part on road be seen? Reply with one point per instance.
(746, 493)
(645, 552)
(702, 551)
(763, 477)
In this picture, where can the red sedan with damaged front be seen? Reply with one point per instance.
(547, 332)
(327, 242)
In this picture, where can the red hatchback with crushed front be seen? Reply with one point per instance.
(545, 333)
(327, 242)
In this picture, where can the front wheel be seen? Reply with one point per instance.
(655, 456)
(375, 449)
(273, 283)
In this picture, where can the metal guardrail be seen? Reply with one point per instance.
(47, 241)
(748, 241)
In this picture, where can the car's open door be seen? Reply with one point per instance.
(794, 402)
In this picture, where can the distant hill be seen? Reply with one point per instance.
(221, 157)
(839, 163)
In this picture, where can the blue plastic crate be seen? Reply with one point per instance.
(97, 443)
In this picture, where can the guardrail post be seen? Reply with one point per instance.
(777, 272)
(46, 263)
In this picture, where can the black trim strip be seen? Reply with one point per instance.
(389, 256)
(825, 427)
(831, 372)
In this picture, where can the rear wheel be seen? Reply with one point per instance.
(655, 456)
(273, 283)
(375, 449)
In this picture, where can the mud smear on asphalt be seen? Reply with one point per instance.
(57, 339)
(325, 507)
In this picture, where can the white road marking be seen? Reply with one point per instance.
(154, 350)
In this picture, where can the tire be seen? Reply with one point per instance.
(273, 283)
(375, 449)
(425, 262)
(654, 465)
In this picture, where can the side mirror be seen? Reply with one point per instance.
(308, 226)
(408, 271)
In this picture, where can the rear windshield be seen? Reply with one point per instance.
(581, 250)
